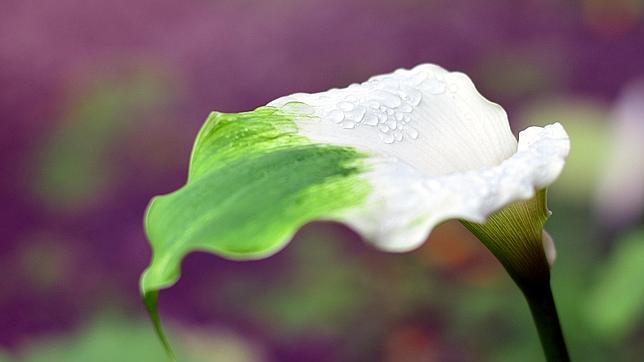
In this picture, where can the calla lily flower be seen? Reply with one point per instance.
(392, 157)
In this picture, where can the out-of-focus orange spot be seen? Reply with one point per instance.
(611, 18)
(452, 249)
(450, 245)
(410, 344)
(483, 272)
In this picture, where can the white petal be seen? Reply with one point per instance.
(439, 151)
(433, 119)
(407, 204)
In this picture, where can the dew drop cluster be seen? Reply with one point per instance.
(384, 103)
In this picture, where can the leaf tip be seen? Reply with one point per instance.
(150, 298)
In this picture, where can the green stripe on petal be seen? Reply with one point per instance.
(226, 137)
(253, 183)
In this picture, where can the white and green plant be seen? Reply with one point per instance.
(392, 158)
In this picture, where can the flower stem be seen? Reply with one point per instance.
(544, 313)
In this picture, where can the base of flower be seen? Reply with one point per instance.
(515, 236)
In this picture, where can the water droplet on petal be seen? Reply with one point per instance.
(412, 132)
(335, 115)
(387, 98)
(356, 114)
(346, 106)
(386, 137)
(348, 124)
(370, 119)
(436, 86)
(418, 77)
(412, 95)
(406, 108)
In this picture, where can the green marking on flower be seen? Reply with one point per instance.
(253, 183)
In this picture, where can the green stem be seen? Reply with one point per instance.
(544, 313)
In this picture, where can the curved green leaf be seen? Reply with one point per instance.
(253, 182)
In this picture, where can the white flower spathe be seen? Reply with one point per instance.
(438, 151)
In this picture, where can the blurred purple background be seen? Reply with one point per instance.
(101, 101)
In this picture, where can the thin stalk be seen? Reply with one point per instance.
(544, 313)
(515, 236)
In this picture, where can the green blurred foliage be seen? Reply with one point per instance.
(615, 305)
(516, 73)
(42, 260)
(327, 289)
(74, 167)
(309, 298)
(114, 337)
